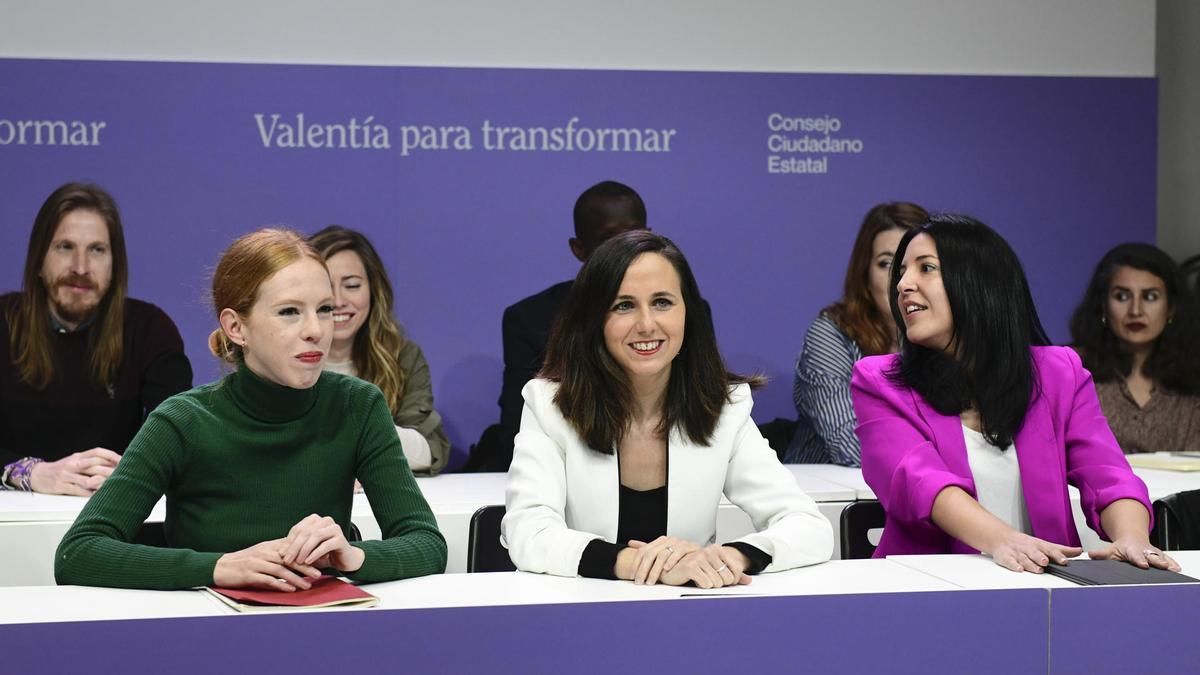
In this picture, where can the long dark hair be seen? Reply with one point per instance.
(1174, 363)
(856, 313)
(988, 363)
(594, 392)
(29, 326)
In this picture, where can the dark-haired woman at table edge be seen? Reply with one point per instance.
(972, 433)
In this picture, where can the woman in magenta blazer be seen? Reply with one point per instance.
(971, 434)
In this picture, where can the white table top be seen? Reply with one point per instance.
(1162, 483)
(897, 574)
(467, 492)
(464, 492)
(820, 489)
(1158, 483)
(848, 476)
(32, 524)
(836, 577)
(28, 506)
(37, 604)
(978, 572)
(41, 604)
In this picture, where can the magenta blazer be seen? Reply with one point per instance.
(911, 452)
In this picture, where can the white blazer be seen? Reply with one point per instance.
(561, 494)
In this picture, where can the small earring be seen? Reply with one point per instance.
(1104, 319)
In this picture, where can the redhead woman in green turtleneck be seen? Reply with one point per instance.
(258, 467)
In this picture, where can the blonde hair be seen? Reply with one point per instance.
(244, 267)
(380, 338)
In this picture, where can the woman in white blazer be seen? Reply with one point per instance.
(634, 430)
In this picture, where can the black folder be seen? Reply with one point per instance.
(1115, 572)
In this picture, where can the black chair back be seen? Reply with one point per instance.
(484, 552)
(1177, 522)
(858, 519)
(779, 433)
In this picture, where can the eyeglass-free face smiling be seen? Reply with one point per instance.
(644, 328)
(922, 297)
(352, 298)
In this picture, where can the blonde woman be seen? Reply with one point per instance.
(368, 343)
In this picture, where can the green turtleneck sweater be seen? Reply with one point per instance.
(241, 461)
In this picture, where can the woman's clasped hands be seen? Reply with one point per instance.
(675, 562)
(290, 563)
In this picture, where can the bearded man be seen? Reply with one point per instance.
(82, 363)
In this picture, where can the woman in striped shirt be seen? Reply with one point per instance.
(857, 325)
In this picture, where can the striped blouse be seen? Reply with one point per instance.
(821, 392)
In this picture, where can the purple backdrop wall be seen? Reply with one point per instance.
(1063, 167)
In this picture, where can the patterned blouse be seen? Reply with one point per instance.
(821, 392)
(1168, 422)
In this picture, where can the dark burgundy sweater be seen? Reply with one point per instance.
(71, 414)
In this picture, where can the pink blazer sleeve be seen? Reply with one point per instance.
(1095, 463)
(899, 459)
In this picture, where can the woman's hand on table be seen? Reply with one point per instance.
(262, 566)
(1136, 551)
(1020, 552)
(645, 562)
(1128, 523)
(80, 474)
(318, 541)
(713, 566)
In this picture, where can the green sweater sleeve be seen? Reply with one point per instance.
(96, 550)
(416, 406)
(411, 545)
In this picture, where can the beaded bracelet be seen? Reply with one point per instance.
(19, 474)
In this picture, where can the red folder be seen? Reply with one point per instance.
(326, 591)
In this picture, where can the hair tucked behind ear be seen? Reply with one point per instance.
(248, 262)
(223, 348)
